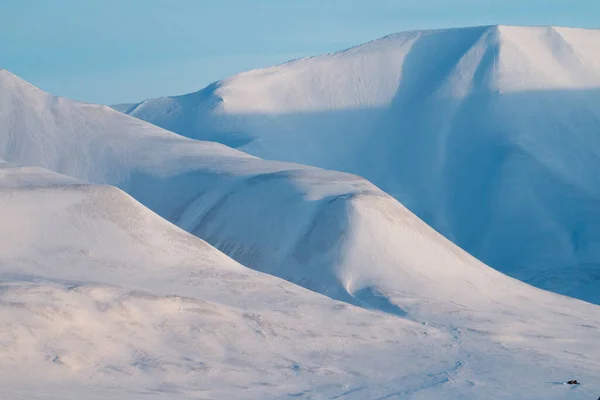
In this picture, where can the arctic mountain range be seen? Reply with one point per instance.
(488, 134)
(416, 217)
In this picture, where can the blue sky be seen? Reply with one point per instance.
(113, 51)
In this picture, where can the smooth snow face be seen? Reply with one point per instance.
(489, 134)
(97, 291)
(100, 296)
(303, 224)
(12, 176)
(306, 225)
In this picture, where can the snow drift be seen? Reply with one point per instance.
(490, 134)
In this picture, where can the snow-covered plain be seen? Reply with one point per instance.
(100, 296)
(489, 134)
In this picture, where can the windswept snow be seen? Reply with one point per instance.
(100, 296)
(490, 134)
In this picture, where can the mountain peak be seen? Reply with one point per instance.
(9, 76)
(447, 62)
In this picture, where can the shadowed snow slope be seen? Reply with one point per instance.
(330, 232)
(490, 134)
(98, 296)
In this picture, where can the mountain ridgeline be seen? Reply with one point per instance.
(489, 134)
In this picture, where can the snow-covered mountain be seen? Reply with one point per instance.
(330, 232)
(98, 289)
(490, 134)
(313, 227)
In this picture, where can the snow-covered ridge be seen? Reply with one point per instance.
(96, 288)
(307, 225)
(98, 292)
(303, 224)
(100, 295)
(489, 134)
(451, 62)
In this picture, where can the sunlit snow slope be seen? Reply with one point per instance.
(490, 134)
(100, 296)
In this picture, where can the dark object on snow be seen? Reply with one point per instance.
(573, 382)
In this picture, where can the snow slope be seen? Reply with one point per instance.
(490, 134)
(95, 285)
(99, 296)
(330, 232)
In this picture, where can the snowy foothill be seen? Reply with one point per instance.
(100, 296)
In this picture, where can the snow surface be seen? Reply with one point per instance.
(101, 296)
(490, 134)
(330, 232)
(98, 294)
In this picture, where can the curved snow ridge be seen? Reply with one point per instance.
(294, 237)
(132, 269)
(94, 287)
(15, 176)
(358, 245)
(89, 142)
(451, 63)
(365, 76)
(88, 220)
(292, 221)
(547, 58)
(489, 134)
(369, 75)
(351, 242)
